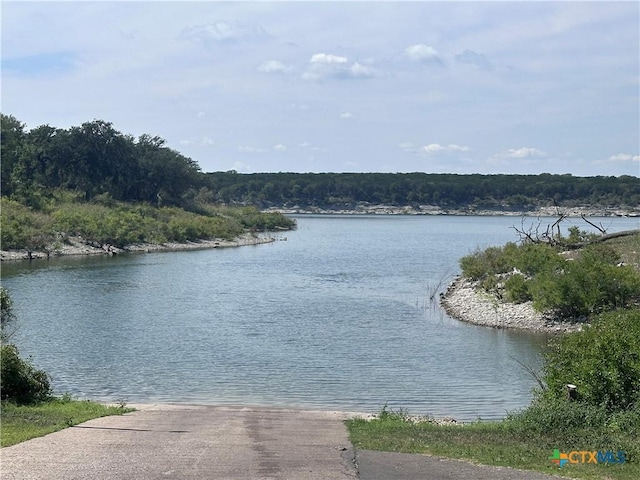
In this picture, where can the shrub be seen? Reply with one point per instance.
(517, 289)
(529, 258)
(483, 263)
(557, 417)
(20, 381)
(603, 361)
(22, 227)
(6, 307)
(587, 285)
(534, 258)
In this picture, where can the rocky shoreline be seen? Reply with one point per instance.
(466, 301)
(79, 246)
(367, 209)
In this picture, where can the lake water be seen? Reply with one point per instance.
(338, 316)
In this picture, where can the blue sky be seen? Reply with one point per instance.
(459, 87)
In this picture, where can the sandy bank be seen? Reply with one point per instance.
(79, 246)
(467, 302)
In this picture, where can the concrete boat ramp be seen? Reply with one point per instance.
(221, 442)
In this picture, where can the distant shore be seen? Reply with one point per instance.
(466, 301)
(366, 209)
(79, 246)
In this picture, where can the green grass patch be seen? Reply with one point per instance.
(513, 442)
(24, 422)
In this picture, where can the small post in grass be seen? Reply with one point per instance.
(572, 391)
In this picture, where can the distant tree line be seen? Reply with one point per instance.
(95, 159)
(444, 190)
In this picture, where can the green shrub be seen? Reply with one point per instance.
(528, 258)
(483, 263)
(490, 283)
(557, 417)
(589, 283)
(534, 258)
(23, 228)
(6, 307)
(517, 289)
(603, 361)
(20, 381)
(579, 236)
(586, 286)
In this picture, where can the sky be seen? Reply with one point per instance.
(436, 87)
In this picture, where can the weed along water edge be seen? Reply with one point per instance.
(338, 317)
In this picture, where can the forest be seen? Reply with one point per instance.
(96, 160)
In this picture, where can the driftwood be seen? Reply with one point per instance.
(602, 238)
(552, 235)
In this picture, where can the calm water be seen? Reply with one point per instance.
(337, 316)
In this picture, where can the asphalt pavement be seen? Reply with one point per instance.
(222, 442)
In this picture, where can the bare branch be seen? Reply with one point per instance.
(531, 371)
(600, 228)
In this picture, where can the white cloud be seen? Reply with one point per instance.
(624, 157)
(274, 66)
(361, 71)
(422, 53)
(435, 148)
(280, 148)
(202, 141)
(324, 66)
(521, 156)
(312, 148)
(347, 115)
(522, 152)
(247, 149)
(328, 59)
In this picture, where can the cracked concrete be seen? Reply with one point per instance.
(190, 442)
(222, 442)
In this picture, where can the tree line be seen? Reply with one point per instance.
(344, 190)
(94, 159)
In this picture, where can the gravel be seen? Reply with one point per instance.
(468, 302)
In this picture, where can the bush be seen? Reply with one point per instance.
(603, 361)
(529, 258)
(22, 227)
(557, 417)
(483, 263)
(590, 283)
(587, 285)
(20, 381)
(517, 289)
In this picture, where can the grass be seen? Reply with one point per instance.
(24, 422)
(506, 443)
(628, 248)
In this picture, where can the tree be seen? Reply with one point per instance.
(12, 137)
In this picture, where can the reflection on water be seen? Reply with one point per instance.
(337, 317)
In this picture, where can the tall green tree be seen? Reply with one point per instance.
(11, 138)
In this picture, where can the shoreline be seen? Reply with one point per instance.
(465, 301)
(80, 247)
(365, 209)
